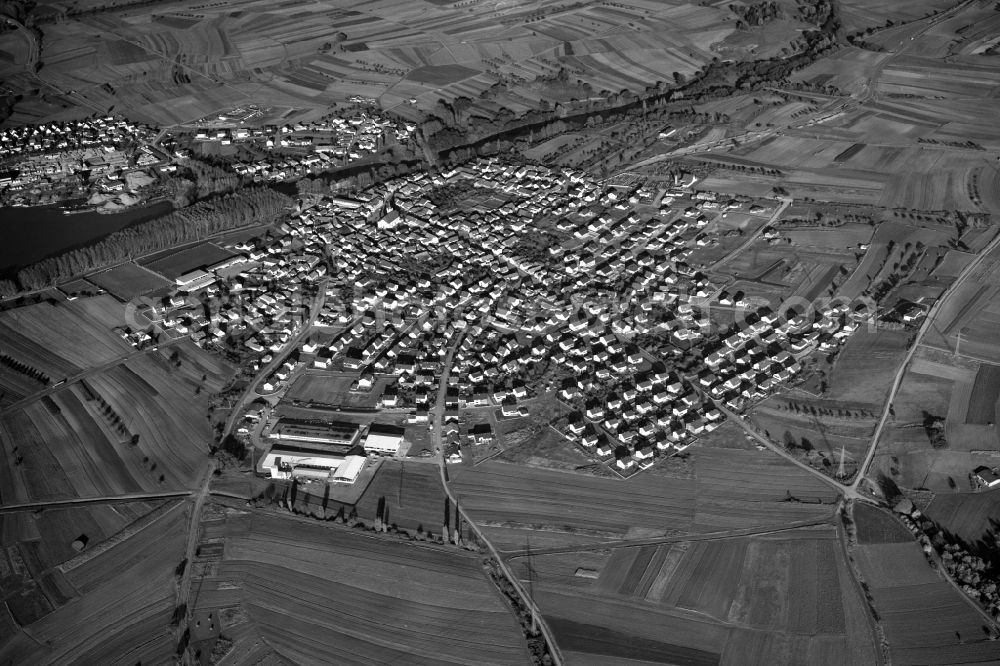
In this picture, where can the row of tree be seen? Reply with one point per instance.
(245, 207)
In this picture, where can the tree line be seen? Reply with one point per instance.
(199, 221)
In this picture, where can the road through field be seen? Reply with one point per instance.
(103, 499)
(927, 324)
(437, 421)
(785, 203)
(653, 541)
(849, 492)
(27, 400)
(194, 532)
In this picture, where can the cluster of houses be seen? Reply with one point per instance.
(107, 133)
(75, 159)
(257, 296)
(316, 145)
(765, 349)
(540, 279)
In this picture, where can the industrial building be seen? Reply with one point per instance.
(384, 439)
(312, 461)
(340, 433)
(195, 280)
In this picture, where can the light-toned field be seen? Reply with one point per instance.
(731, 489)
(311, 591)
(786, 597)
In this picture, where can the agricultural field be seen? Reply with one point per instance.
(968, 516)
(939, 389)
(876, 525)
(787, 597)
(409, 494)
(138, 426)
(59, 341)
(191, 62)
(967, 312)
(859, 15)
(177, 263)
(729, 489)
(128, 281)
(925, 619)
(123, 597)
(51, 533)
(864, 369)
(310, 590)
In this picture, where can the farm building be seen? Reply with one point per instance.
(384, 439)
(312, 462)
(326, 432)
(987, 477)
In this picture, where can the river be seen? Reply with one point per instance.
(33, 233)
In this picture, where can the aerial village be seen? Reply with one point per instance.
(521, 284)
(305, 147)
(110, 162)
(101, 158)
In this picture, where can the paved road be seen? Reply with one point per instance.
(928, 322)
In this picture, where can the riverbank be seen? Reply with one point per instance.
(33, 233)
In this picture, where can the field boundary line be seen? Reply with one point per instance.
(121, 536)
(654, 541)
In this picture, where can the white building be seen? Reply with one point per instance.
(384, 440)
(306, 462)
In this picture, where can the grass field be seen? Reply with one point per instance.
(127, 281)
(311, 590)
(329, 388)
(174, 264)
